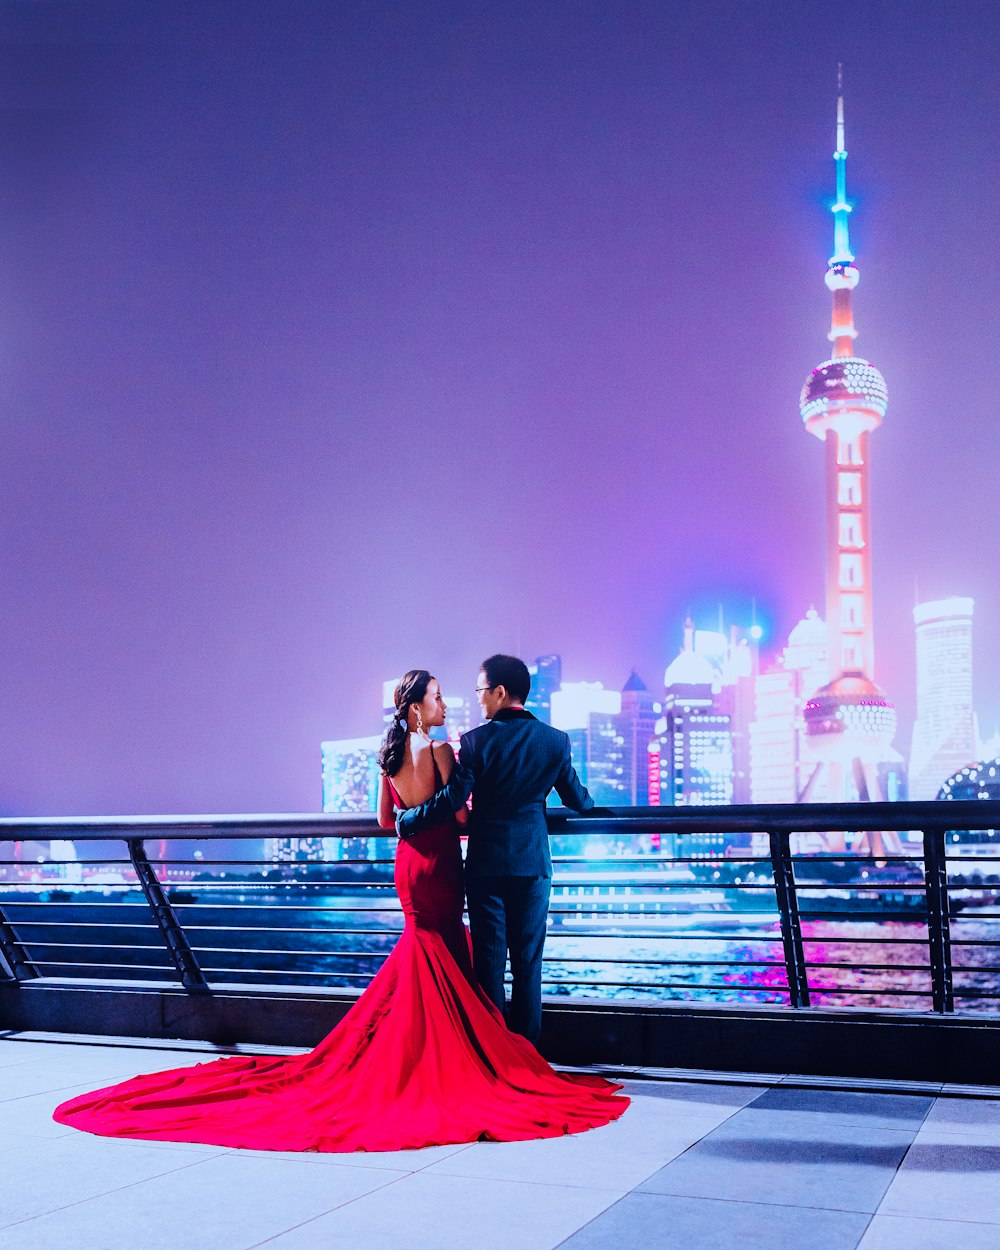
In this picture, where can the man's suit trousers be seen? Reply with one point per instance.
(509, 914)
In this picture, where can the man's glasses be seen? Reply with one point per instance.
(484, 689)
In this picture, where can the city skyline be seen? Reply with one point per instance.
(427, 333)
(748, 710)
(811, 724)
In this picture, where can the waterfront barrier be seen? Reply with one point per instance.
(848, 938)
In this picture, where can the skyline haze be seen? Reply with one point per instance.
(341, 340)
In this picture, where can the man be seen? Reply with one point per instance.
(510, 764)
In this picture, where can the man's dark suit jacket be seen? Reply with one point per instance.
(510, 764)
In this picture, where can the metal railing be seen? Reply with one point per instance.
(880, 906)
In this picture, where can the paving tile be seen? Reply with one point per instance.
(26, 1079)
(694, 1097)
(427, 1212)
(808, 1126)
(848, 1106)
(978, 1117)
(185, 1147)
(225, 1203)
(754, 1159)
(46, 1175)
(948, 1179)
(896, 1232)
(973, 1135)
(615, 1157)
(126, 1062)
(648, 1109)
(747, 1163)
(709, 1076)
(117, 1062)
(18, 1142)
(708, 1224)
(32, 1116)
(865, 1084)
(398, 1161)
(649, 1128)
(10, 1056)
(99, 1077)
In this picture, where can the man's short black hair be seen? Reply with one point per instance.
(510, 672)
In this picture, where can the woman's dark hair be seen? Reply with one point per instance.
(411, 689)
(510, 672)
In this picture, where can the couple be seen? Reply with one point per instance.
(423, 1058)
(510, 763)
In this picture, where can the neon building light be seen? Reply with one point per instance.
(849, 722)
(655, 792)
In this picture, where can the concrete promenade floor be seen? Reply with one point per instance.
(697, 1162)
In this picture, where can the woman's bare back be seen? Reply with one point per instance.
(417, 779)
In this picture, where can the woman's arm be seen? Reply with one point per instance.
(445, 756)
(386, 807)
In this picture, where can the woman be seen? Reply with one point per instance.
(423, 1058)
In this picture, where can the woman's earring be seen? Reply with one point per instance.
(420, 721)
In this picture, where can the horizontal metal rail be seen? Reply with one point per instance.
(730, 905)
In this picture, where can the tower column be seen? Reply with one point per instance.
(848, 577)
(849, 722)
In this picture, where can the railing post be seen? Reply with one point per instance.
(938, 921)
(788, 912)
(185, 960)
(15, 964)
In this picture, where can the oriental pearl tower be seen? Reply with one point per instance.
(849, 722)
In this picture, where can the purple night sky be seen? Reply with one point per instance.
(340, 338)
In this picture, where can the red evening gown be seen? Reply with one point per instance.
(423, 1058)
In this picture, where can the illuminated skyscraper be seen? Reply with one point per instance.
(574, 701)
(350, 784)
(782, 768)
(849, 722)
(458, 721)
(546, 678)
(693, 738)
(634, 727)
(588, 712)
(773, 738)
(350, 774)
(944, 734)
(738, 672)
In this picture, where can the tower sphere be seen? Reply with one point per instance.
(847, 394)
(850, 718)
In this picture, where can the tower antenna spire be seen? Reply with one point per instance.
(842, 274)
(842, 253)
